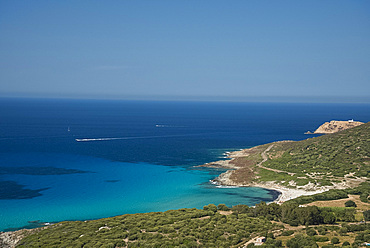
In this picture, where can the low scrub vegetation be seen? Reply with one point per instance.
(175, 228)
(212, 226)
(335, 154)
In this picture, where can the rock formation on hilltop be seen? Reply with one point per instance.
(336, 126)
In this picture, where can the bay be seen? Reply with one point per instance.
(138, 156)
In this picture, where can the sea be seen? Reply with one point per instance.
(70, 159)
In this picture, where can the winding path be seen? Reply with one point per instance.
(264, 156)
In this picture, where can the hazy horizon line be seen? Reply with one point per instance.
(277, 99)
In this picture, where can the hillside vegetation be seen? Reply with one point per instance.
(335, 154)
(174, 228)
(342, 157)
(216, 227)
(338, 160)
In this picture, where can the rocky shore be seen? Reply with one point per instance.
(240, 173)
(285, 192)
(10, 239)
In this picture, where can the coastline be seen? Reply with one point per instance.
(286, 193)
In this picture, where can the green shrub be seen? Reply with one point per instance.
(328, 217)
(350, 204)
(223, 207)
(109, 245)
(364, 197)
(287, 233)
(240, 209)
(301, 241)
(272, 243)
(210, 207)
(343, 231)
(311, 232)
(345, 244)
(322, 230)
(366, 215)
(321, 238)
(335, 240)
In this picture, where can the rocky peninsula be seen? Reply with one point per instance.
(336, 126)
(296, 168)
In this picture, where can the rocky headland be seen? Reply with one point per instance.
(297, 168)
(336, 126)
(242, 173)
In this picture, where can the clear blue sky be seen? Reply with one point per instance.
(190, 49)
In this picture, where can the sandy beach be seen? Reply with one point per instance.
(287, 194)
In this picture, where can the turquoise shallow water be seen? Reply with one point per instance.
(112, 188)
(141, 154)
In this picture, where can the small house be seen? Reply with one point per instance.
(260, 241)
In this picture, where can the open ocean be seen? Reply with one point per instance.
(135, 156)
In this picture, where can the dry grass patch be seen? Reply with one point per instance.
(340, 203)
(242, 176)
(225, 212)
(204, 218)
(242, 162)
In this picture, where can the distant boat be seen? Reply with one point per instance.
(69, 129)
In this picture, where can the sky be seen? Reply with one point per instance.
(190, 49)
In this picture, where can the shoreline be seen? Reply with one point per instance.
(285, 193)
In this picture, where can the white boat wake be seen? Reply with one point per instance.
(98, 139)
(128, 138)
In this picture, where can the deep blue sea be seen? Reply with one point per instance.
(134, 156)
